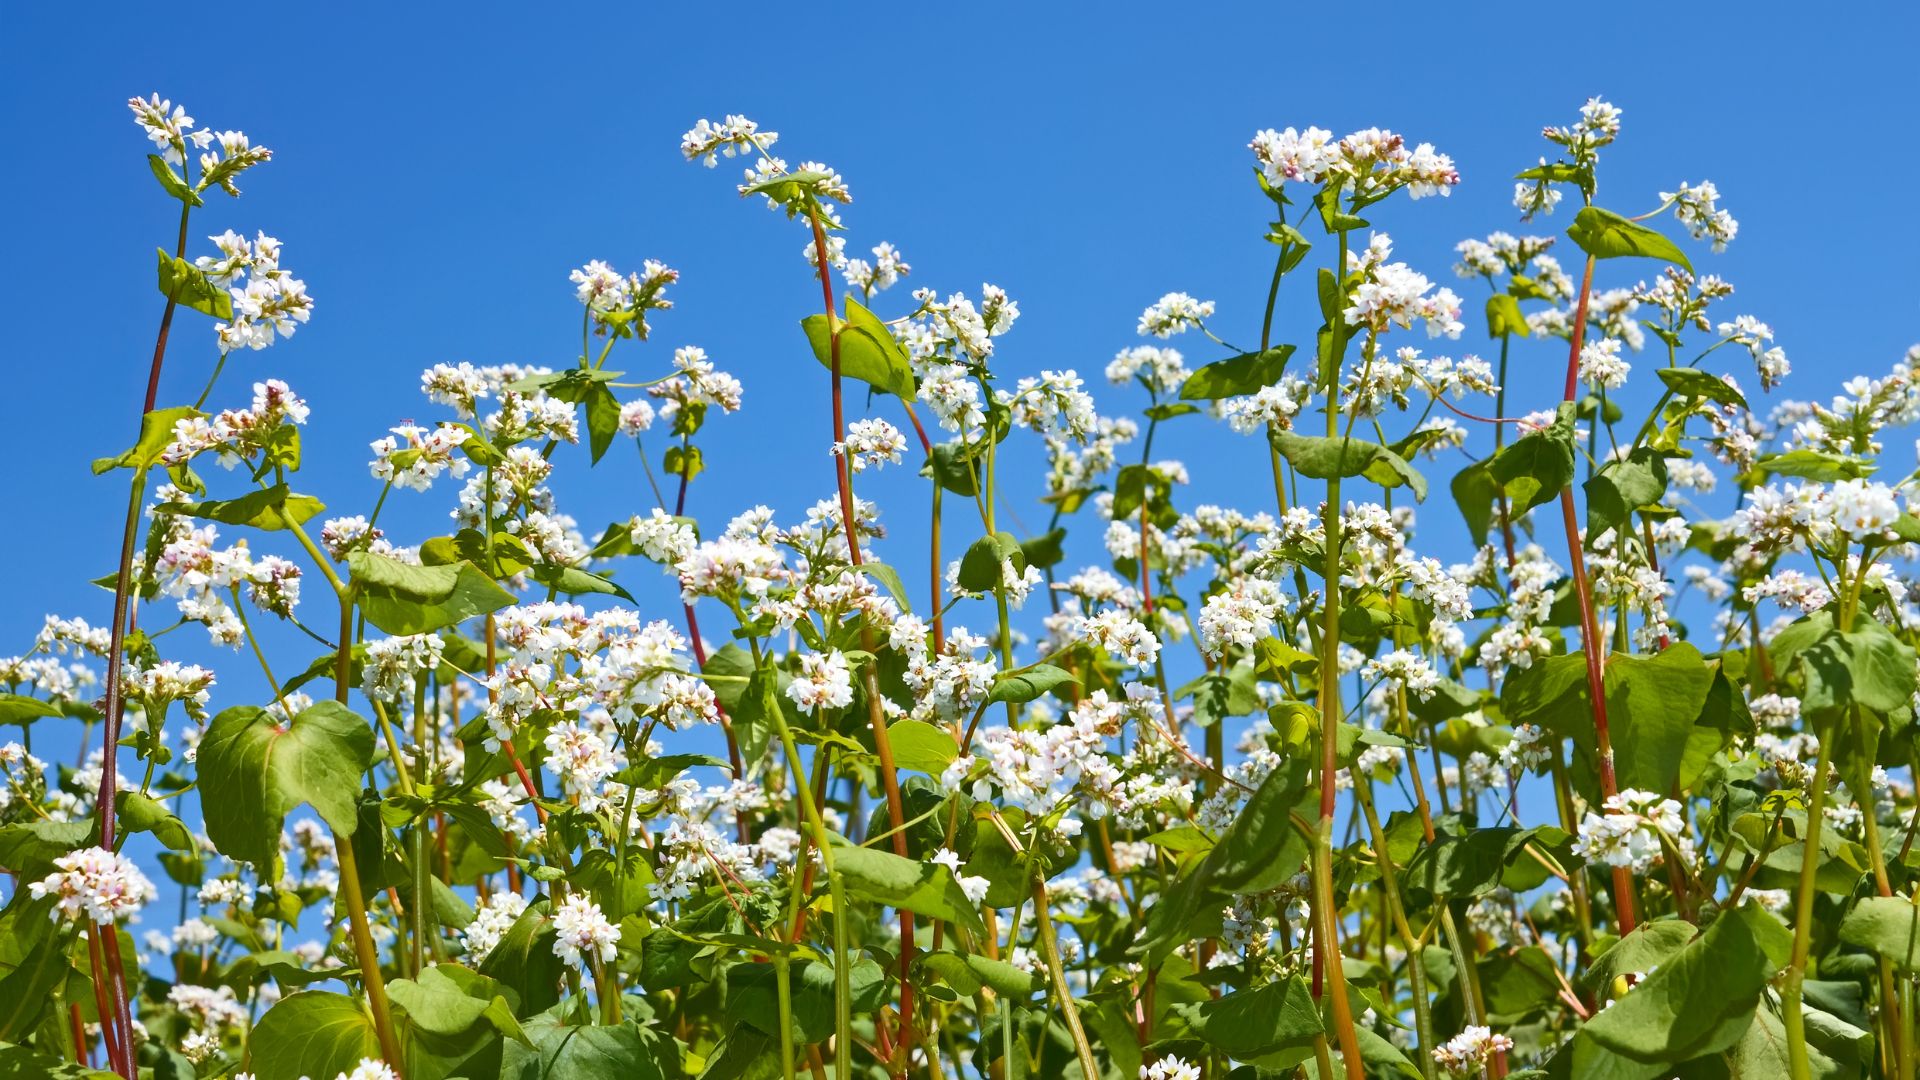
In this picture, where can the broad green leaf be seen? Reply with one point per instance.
(25, 990)
(954, 469)
(272, 509)
(573, 581)
(23, 1063)
(1324, 458)
(171, 182)
(1866, 666)
(1604, 234)
(401, 598)
(923, 888)
(1474, 492)
(23, 710)
(311, 1033)
(253, 772)
(1504, 317)
(1622, 487)
(1266, 1019)
(449, 999)
(650, 774)
(524, 962)
(29, 849)
(629, 1051)
(868, 351)
(1028, 683)
(141, 813)
(921, 747)
(980, 567)
(156, 434)
(1887, 925)
(1692, 382)
(969, 973)
(1219, 694)
(1809, 464)
(1647, 947)
(1700, 1001)
(187, 285)
(1044, 550)
(753, 995)
(1652, 704)
(603, 419)
(1247, 373)
(1537, 466)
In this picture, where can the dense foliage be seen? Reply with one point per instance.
(1512, 816)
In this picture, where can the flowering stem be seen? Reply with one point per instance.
(1791, 1016)
(882, 744)
(1390, 878)
(1591, 643)
(1051, 948)
(364, 951)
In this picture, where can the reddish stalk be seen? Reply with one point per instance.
(1623, 905)
(883, 746)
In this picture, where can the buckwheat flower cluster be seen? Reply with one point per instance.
(884, 272)
(1629, 834)
(583, 932)
(619, 304)
(1162, 369)
(1469, 1052)
(733, 135)
(696, 382)
(1769, 360)
(1174, 313)
(493, 916)
(1406, 671)
(169, 681)
(267, 300)
(1123, 636)
(1601, 365)
(871, 443)
(1394, 294)
(1170, 1068)
(1366, 165)
(1698, 209)
(101, 885)
(1240, 616)
(414, 457)
(1599, 125)
(824, 682)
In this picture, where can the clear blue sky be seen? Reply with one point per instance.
(437, 175)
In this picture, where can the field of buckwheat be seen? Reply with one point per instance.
(1508, 817)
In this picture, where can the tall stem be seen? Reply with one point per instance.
(1791, 1016)
(882, 743)
(1590, 640)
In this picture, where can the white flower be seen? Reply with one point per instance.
(492, 918)
(1468, 1052)
(583, 932)
(100, 884)
(1170, 1068)
(1602, 366)
(1124, 636)
(871, 443)
(824, 681)
(1172, 314)
(974, 887)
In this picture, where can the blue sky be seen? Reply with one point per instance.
(436, 177)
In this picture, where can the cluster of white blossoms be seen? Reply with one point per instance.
(1633, 830)
(1698, 209)
(583, 934)
(1783, 517)
(884, 272)
(823, 682)
(96, 884)
(620, 303)
(1601, 365)
(1162, 369)
(172, 132)
(871, 443)
(1174, 313)
(414, 456)
(974, 886)
(267, 300)
(1394, 294)
(1470, 1052)
(1170, 1068)
(1369, 164)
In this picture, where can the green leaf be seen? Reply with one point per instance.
(1622, 487)
(29, 849)
(272, 509)
(920, 746)
(1268, 1019)
(980, 567)
(140, 813)
(252, 772)
(1866, 666)
(448, 999)
(1700, 1001)
(1887, 925)
(21, 1063)
(1244, 374)
(1652, 704)
(923, 888)
(868, 351)
(1324, 458)
(187, 285)
(171, 182)
(1604, 234)
(603, 419)
(23, 710)
(311, 1033)
(1219, 694)
(1027, 684)
(573, 581)
(954, 469)
(628, 1050)
(1694, 383)
(1041, 551)
(156, 434)
(524, 962)
(1813, 465)
(401, 598)
(969, 973)
(1536, 467)
(1473, 492)
(1504, 317)
(26, 990)
(753, 995)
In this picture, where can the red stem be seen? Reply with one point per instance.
(842, 472)
(1623, 905)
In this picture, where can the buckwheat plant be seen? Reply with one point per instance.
(1263, 790)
